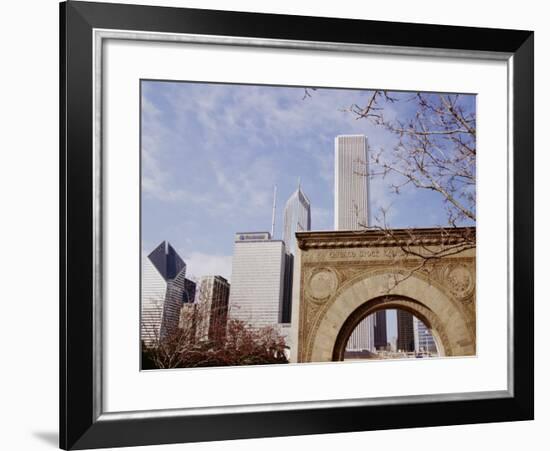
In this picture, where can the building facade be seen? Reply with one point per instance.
(423, 338)
(351, 209)
(212, 306)
(351, 182)
(362, 337)
(189, 290)
(257, 279)
(380, 330)
(162, 288)
(405, 331)
(286, 313)
(297, 218)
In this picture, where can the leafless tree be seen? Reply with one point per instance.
(205, 338)
(435, 150)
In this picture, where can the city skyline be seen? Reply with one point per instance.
(211, 154)
(165, 285)
(217, 172)
(169, 304)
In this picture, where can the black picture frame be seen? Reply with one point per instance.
(80, 425)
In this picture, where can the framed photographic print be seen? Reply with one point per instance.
(280, 225)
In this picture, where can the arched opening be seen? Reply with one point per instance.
(390, 327)
(390, 334)
(326, 326)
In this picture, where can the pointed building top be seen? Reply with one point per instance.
(297, 217)
(299, 193)
(166, 260)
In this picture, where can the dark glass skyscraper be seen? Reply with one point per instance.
(380, 332)
(166, 260)
(189, 290)
(162, 287)
(405, 331)
(286, 311)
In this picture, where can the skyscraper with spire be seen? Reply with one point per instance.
(297, 218)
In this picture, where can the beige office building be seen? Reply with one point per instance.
(257, 279)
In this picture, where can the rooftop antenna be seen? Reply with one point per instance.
(299, 182)
(273, 214)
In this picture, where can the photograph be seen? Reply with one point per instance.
(275, 226)
(299, 224)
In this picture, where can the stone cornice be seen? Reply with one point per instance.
(386, 238)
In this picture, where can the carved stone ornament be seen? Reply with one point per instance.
(322, 284)
(460, 280)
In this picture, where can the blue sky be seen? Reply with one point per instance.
(211, 154)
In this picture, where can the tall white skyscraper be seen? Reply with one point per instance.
(257, 279)
(351, 209)
(363, 336)
(162, 293)
(297, 218)
(351, 183)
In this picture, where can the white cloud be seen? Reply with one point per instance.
(155, 183)
(155, 180)
(201, 264)
(242, 142)
(249, 186)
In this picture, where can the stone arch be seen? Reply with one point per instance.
(370, 293)
(391, 302)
